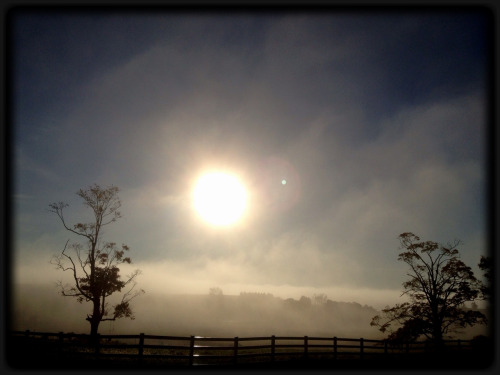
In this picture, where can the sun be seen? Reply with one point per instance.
(219, 198)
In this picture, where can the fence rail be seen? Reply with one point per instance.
(196, 350)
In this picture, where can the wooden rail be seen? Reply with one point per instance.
(196, 350)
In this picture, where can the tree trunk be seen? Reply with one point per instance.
(94, 326)
(437, 335)
(94, 321)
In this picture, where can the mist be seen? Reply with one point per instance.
(378, 123)
(212, 314)
(247, 314)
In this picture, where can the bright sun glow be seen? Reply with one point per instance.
(219, 198)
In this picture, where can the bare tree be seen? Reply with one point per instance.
(439, 285)
(94, 264)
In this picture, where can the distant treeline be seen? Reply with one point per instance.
(212, 314)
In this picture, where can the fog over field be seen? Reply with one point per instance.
(343, 129)
(39, 308)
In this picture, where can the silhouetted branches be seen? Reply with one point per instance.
(94, 265)
(438, 287)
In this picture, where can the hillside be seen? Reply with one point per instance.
(40, 308)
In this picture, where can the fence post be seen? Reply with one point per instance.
(191, 350)
(306, 347)
(385, 347)
(27, 333)
(459, 344)
(273, 347)
(235, 359)
(97, 344)
(335, 347)
(361, 342)
(141, 346)
(407, 347)
(60, 344)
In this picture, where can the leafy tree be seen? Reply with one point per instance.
(94, 264)
(439, 285)
(215, 291)
(320, 299)
(486, 265)
(305, 301)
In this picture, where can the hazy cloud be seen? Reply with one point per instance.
(376, 121)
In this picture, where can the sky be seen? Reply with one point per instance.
(377, 120)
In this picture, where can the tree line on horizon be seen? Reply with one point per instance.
(438, 287)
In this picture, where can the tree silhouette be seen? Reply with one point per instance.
(486, 265)
(320, 299)
(438, 287)
(215, 291)
(94, 265)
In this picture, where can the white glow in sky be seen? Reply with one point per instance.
(346, 129)
(219, 198)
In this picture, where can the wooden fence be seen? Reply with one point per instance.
(196, 350)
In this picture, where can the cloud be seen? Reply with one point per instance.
(369, 146)
(191, 277)
(26, 164)
(22, 197)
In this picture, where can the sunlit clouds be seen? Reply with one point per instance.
(334, 132)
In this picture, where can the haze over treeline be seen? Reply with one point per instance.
(346, 128)
(39, 308)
